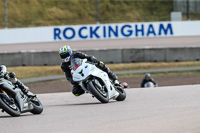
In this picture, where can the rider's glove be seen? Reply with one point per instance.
(12, 75)
(101, 64)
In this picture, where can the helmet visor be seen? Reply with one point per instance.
(65, 55)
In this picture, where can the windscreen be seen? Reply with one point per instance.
(76, 62)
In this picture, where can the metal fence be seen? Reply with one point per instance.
(181, 5)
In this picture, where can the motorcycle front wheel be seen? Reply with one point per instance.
(10, 108)
(98, 91)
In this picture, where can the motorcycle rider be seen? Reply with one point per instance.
(147, 78)
(67, 54)
(10, 76)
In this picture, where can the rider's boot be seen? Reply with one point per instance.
(30, 94)
(113, 77)
(26, 91)
(116, 82)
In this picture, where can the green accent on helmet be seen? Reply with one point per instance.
(63, 50)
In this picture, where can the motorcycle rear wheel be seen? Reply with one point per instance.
(99, 94)
(122, 94)
(11, 109)
(37, 106)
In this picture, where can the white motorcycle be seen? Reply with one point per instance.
(95, 81)
(149, 85)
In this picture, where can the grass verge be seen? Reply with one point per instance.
(40, 71)
(192, 72)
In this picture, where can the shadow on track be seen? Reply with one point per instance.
(81, 104)
(22, 115)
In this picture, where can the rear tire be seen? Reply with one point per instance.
(11, 109)
(100, 95)
(37, 106)
(122, 94)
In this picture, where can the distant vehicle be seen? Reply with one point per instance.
(96, 82)
(147, 81)
(21, 103)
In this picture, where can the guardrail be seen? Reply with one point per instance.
(49, 58)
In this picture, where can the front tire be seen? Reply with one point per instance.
(11, 109)
(100, 94)
(37, 106)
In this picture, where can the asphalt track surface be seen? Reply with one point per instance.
(192, 41)
(146, 110)
(174, 109)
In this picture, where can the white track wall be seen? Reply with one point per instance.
(99, 31)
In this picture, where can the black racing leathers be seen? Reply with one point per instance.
(66, 67)
(10, 76)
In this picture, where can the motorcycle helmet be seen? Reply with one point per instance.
(3, 69)
(65, 53)
(147, 76)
